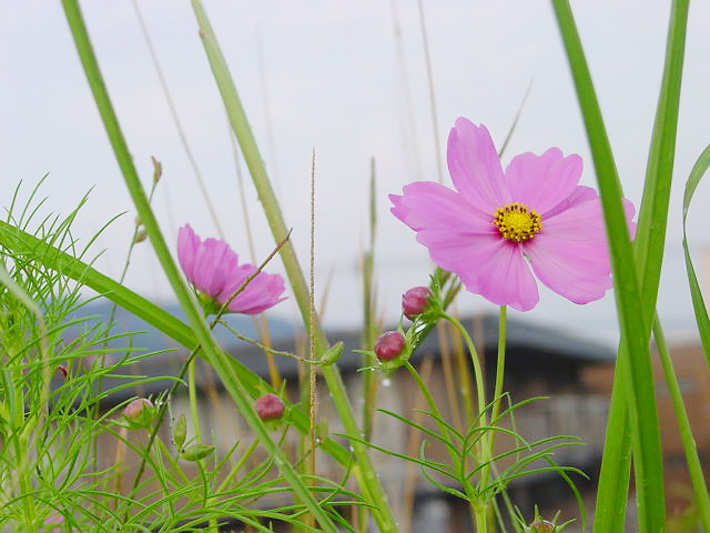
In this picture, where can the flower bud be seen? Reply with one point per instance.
(269, 407)
(180, 432)
(415, 301)
(389, 345)
(542, 526)
(140, 236)
(63, 371)
(139, 413)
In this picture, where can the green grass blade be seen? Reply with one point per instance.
(217, 358)
(638, 381)
(701, 311)
(372, 488)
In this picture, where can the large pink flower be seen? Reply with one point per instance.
(496, 226)
(213, 268)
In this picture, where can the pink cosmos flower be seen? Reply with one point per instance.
(497, 226)
(213, 268)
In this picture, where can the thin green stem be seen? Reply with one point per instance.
(477, 370)
(192, 394)
(500, 366)
(480, 510)
(235, 469)
(478, 507)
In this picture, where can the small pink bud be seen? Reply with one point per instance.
(134, 410)
(414, 301)
(542, 526)
(63, 370)
(269, 407)
(389, 345)
(139, 413)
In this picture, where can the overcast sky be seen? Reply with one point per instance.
(348, 79)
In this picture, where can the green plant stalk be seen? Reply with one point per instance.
(479, 506)
(477, 370)
(500, 368)
(482, 420)
(369, 482)
(369, 379)
(192, 394)
(22, 242)
(214, 355)
(638, 382)
(369, 383)
(700, 489)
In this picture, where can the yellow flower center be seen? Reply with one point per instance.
(516, 222)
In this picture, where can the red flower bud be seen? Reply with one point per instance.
(414, 301)
(542, 526)
(389, 345)
(269, 407)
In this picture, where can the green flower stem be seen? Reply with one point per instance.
(482, 421)
(702, 499)
(477, 370)
(500, 366)
(370, 484)
(500, 375)
(432, 405)
(478, 507)
(242, 461)
(214, 355)
(192, 394)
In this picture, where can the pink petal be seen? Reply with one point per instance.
(214, 260)
(577, 270)
(486, 264)
(425, 205)
(505, 279)
(542, 182)
(570, 254)
(261, 293)
(475, 167)
(580, 194)
(188, 243)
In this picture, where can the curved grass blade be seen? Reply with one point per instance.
(701, 311)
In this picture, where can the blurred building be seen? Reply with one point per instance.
(540, 363)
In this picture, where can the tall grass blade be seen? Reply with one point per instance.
(219, 360)
(635, 330)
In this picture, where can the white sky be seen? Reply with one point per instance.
(333, 76)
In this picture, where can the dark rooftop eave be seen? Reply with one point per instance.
(526, 344)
